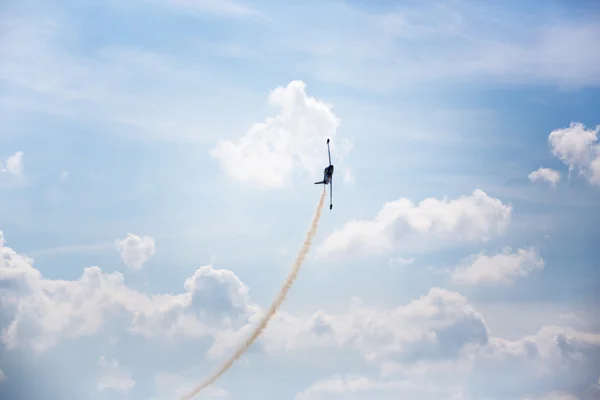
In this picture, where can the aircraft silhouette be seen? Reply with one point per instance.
(328, 177)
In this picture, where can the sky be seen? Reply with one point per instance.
(157, 160)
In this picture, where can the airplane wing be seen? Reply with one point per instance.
(331, 193)
(328, 152)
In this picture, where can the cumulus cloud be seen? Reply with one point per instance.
(14, 164)
(437, 326)
(502, 268)
(135, 250)
(577, 148)
(532, 367)
(545, 174)
(476, 217)
(113, 377)
(554, 357)
(293, 140)
(44, 312)
(414, 346)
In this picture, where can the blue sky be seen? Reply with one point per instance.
(157, 166)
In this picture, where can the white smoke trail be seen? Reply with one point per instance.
(273, 309)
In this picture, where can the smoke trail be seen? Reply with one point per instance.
(273, 309)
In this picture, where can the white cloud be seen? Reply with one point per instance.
(573, 145)
(216, 7)
(159, 91)
(63, 175)
(14, 164)
(342, 386)
(436, 326)
(595, 171)
(401, 261)
(455, 42)
(540, 363)
(571, 318)
(554, 395)
(169, 386)
(477, 217)
(44, 312)
(361, 387)
(577, 148)
(135, 250)
(294, 140)
(502, 268)
(537, 364)
(545, 174)
(114, 377)
(436, 346)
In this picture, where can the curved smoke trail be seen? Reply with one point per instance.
(273, 309)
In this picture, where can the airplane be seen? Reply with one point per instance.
(327, 177)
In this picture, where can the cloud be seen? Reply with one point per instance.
(477, 217)
(573, 145)
(362, 387)
(545, 174)
(502, 268)
(135, 250)
(213, 299)
(595, 171)
(292, 141)
(435, 346)
(341, 386)
(14, 164)
(401, 261)
(554, 395)
(114, 377)
(434, 327)
(216, 7)
(2, 376)
(216, 303)
(63, 175)
(577, 148)
(169, 386)
(533, 367)
(159, 91)
(432, 43)
(539, 364)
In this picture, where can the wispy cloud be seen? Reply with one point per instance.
(436, 43)
(142, 90)
(217, 7)
(98, 247)
(114, 377)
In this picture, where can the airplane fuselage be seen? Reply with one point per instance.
(327, 174)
